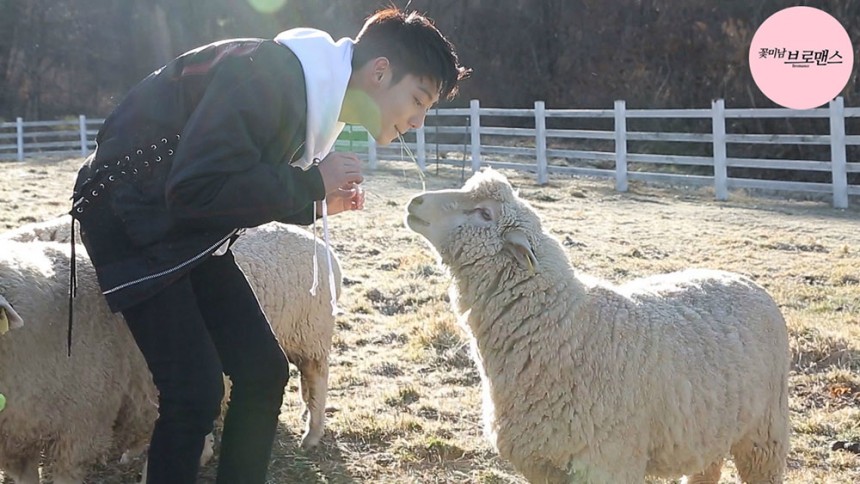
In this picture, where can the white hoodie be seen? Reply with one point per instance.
(327, 66)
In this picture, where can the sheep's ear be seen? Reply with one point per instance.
(517, 244)
(9, 319)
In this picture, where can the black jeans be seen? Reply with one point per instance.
(207, 323)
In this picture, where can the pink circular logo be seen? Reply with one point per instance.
(801, 57)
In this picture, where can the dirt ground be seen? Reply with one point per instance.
(405, 398)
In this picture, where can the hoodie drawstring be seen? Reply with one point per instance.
(315, 284)
(331, 282)
(73, 290)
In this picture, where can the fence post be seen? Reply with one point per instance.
(540, 142)
(837, 153)
(475, 116)
(718, 121)
(420, 147)
(371, 151)
(19, 127)
(82, 121)
(620, 145)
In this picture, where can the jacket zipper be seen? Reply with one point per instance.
(172, 269)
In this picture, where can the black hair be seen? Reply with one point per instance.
(413, 45)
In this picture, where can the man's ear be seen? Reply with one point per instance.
(381, 69)
(517, 244)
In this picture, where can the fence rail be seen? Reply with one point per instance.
(67, 137)
(533, 147)
(541, 145)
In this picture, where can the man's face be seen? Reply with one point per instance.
(403, 106)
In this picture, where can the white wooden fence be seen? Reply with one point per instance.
(538, 146)
(20, 139)
(544, 151)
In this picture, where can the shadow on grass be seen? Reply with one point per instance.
(291, 463)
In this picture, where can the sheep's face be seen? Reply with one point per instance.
(482, 220)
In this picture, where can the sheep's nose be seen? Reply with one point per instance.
(418, 200)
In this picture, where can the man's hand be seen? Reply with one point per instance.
(350, 197)
(341, 174)
(340, 170)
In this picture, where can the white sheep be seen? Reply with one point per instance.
(302, 322)
(276, 258)
(278, 262)
(588, 382)
(77, 409)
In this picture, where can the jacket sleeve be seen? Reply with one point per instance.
(225, 172)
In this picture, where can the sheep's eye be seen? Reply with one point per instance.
(484, 213)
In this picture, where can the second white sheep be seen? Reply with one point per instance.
(589, 382)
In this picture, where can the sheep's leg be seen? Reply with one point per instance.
(544, 474)
(143, 472)
(208, 449)
(586, 470)
(602, 464)
(759, 461)
(314, 386)
(760, 456)
(711, 475)
(24, 471)
(756, 463)
(69, 472)
(71, 454)
(605, 476)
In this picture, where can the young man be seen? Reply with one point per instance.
(230, 135)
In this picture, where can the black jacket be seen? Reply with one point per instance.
(198, 150)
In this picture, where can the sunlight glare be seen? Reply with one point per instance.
(267, 6)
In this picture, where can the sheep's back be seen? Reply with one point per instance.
(58, 229)
(713, 359)
(278, 261)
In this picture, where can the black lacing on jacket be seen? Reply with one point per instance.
(142, 160)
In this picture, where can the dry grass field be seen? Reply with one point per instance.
(405, 399)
